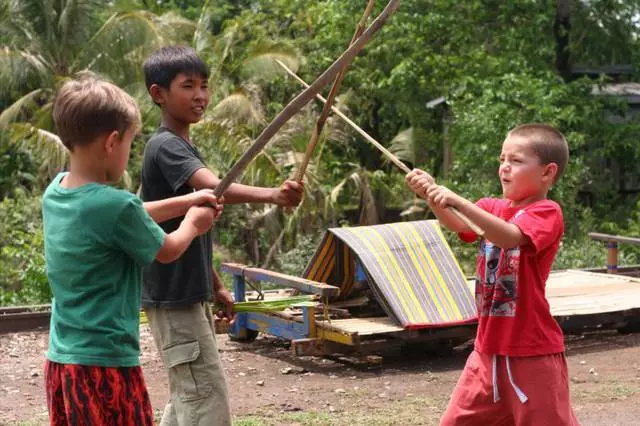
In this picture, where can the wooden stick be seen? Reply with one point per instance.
(303, 98)
(326, 110)
(395, 160)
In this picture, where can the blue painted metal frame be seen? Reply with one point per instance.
(267, 323)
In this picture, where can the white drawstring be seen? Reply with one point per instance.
(521, 396)
(494, 374)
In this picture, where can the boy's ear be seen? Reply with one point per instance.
(550, 172)
(111, 141)
(157, 94)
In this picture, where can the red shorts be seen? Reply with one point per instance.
(96, 396)
(511, 391)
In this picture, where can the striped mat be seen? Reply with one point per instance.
(409, 266)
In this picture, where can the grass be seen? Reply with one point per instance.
(612, 389)
(413, 411)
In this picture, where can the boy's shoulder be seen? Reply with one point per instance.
(160, 137)
(91, 196)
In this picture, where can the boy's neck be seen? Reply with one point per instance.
(529, 200)
(82, 172)
(178, 127)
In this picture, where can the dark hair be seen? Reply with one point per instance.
(87, 108)
(548, 143)
(167, 62)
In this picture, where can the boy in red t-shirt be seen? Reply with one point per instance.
(517, 373)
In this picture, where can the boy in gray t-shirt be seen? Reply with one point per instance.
(176, 296)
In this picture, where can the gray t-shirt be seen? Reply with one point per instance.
(169, 161)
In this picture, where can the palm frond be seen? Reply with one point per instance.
(238, 109)
(13, 112)
(22, 69)
(260, 64)
(403, 146)
(43, 144)
(127, 38)
(368, 208)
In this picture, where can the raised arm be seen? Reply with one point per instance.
(197, 221)
(501, 233)
(289, 194)
(419, 182)
(173, 207)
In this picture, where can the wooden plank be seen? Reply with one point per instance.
(302, 284)
(617, 238)
(232, 268)
(361, 326)
(577, 292)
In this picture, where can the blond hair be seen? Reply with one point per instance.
(88, 107)
(548, 144)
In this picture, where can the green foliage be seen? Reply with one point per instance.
(294, 261)
(493, 62)
(18, 170)
(23, 278)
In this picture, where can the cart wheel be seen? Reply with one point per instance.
(249, 336)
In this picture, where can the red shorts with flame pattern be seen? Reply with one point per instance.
(96, 396)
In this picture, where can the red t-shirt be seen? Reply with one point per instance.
(513, 313)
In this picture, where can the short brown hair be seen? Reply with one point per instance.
(86, 108)
(548, 143)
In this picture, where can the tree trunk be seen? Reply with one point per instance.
(561, 29)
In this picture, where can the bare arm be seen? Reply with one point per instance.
(173, 207)
(236, 193)
(197, 221)
(167, 209)
(501, 233)
(419, 182)
(176, 243)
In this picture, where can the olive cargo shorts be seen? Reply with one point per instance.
(186, 341)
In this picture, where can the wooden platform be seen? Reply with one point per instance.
(577, 298)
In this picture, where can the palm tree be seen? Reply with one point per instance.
(46, 42)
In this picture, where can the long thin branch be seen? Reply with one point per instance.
(303, 98)
(395, 160)
(326, 110)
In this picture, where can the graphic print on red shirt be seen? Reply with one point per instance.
(498, 296)
(514, 317)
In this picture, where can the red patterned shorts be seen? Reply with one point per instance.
(87, 395)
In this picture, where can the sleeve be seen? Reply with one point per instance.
(137, 234)
(177, 162)
(485, 204)
(542, 223)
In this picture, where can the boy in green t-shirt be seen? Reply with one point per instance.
(97, 239)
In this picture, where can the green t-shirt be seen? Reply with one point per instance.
(96, 241)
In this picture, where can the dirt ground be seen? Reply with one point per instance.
(270, 387)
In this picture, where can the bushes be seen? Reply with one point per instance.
(23, 277)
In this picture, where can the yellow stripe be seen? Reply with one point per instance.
(435, 270)
(419, 268)
(325, 275)
(431, 267)
(403, 278)
(453, 264)
(382, 263)
(455, 260)
(321, 258)
(440, 280)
